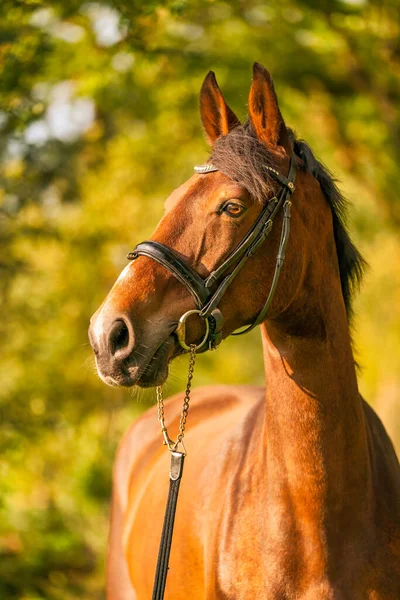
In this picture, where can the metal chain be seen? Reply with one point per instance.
(185, 407)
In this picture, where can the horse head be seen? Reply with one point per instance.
(133, 333)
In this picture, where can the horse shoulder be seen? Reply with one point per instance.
(386, 480)
(385, 464)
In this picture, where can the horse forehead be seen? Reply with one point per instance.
(200, 184)
(181, 191)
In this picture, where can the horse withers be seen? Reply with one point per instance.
(289, 492)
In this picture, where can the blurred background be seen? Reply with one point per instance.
(98, 123)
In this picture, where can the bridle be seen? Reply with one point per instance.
(207, 301)
(207, 307)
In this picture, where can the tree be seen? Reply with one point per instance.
(97, 100)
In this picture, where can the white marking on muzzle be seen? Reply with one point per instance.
(98, 328)
(124, 273)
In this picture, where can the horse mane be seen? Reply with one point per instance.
(351, 263)
(242, 157)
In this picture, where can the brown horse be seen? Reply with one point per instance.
(289, 492)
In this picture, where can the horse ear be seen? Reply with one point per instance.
(217, 118)
(264, 110)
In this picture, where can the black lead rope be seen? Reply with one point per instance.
(175, 475)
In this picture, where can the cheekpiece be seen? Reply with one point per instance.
(206, 168)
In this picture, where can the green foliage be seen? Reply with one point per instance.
(98, 123)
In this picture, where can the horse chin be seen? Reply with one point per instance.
(155, 371)
(150, 371)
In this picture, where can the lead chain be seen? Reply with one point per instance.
(185, 407)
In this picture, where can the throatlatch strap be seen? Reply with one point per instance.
(175, 475)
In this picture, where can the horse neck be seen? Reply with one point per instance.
(315, 443)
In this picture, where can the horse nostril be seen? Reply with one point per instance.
(121, 340)
(119, 336)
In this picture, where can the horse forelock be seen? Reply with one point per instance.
(243, 158)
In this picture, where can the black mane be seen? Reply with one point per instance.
(351, 263)
(242, 157)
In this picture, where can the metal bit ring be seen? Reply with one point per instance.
(181, 330)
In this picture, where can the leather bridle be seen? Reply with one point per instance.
(207, 301)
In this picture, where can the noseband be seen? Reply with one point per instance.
(206, 300)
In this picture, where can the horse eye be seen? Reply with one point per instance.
(233, 209)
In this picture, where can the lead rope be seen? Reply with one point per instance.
(175, 475)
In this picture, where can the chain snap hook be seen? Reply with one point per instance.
(173, 446)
